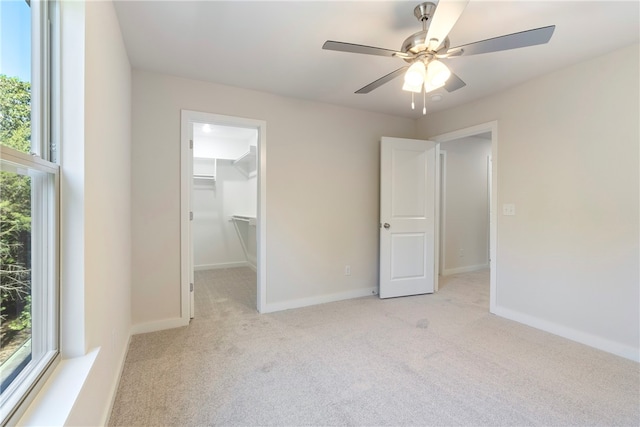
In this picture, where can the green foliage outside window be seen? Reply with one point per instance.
(15, 113)
(15, 211)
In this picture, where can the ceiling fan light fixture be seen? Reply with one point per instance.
(437, 74)
(428, 87)
(412, 88)
(415, 75)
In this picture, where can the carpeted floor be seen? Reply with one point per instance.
(437, 360)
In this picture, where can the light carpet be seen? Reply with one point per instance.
(435, 360)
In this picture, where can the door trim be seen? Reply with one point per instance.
(187, 118)
(442, 211)
(493, 223)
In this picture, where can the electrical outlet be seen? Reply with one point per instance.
(347, 270)
(508, 209)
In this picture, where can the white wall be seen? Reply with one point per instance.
(95, 218)
(107, 209)
(466, 220)
(322, 196)
(568, 149)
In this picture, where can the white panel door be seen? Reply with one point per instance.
(407, 217)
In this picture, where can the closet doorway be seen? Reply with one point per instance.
(456, 252)
(223, 200)
(465, 198)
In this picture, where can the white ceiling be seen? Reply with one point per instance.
(276, 47)
(227, 133)
(211, 140)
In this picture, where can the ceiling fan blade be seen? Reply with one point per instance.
(454, 83)
(444, 18)
(451, 53)
(510, 41)
(382, 80)
(357, 48)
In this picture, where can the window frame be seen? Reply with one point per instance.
(41, 164)
(45, 341)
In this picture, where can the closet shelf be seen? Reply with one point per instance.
(245, 218)
(247, 162)
(205, 168)
(248, 157)
(207, 177)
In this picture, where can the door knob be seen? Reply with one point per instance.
(387, 225)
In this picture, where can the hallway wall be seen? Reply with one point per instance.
(466, 222)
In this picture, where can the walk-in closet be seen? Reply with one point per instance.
(224, 199)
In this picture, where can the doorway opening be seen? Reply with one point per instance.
(467, 204)
(223, 201)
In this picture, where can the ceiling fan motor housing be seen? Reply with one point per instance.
(424, 11)
(417, 43)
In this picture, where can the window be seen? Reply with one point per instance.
(28, 202)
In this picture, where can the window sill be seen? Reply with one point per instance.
(55, 400)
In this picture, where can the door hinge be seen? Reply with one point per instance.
(191, 216)
(191, 144)
(190, 287)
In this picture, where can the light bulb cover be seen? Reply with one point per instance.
(436, 76)
(415, 75)
(412, 88)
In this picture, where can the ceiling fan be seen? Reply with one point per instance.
(424, 49)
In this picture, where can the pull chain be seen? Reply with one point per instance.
(413, 104)
(424, 102)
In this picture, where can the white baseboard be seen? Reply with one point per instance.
(305, 302)
(465, 269)
(114, 386)
(160, 325)
(202, 267)
(600, 343)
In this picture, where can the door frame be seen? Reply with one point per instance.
(188, 117)
(493, 208)
(442, 210)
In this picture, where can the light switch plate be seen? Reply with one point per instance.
(508, 209)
